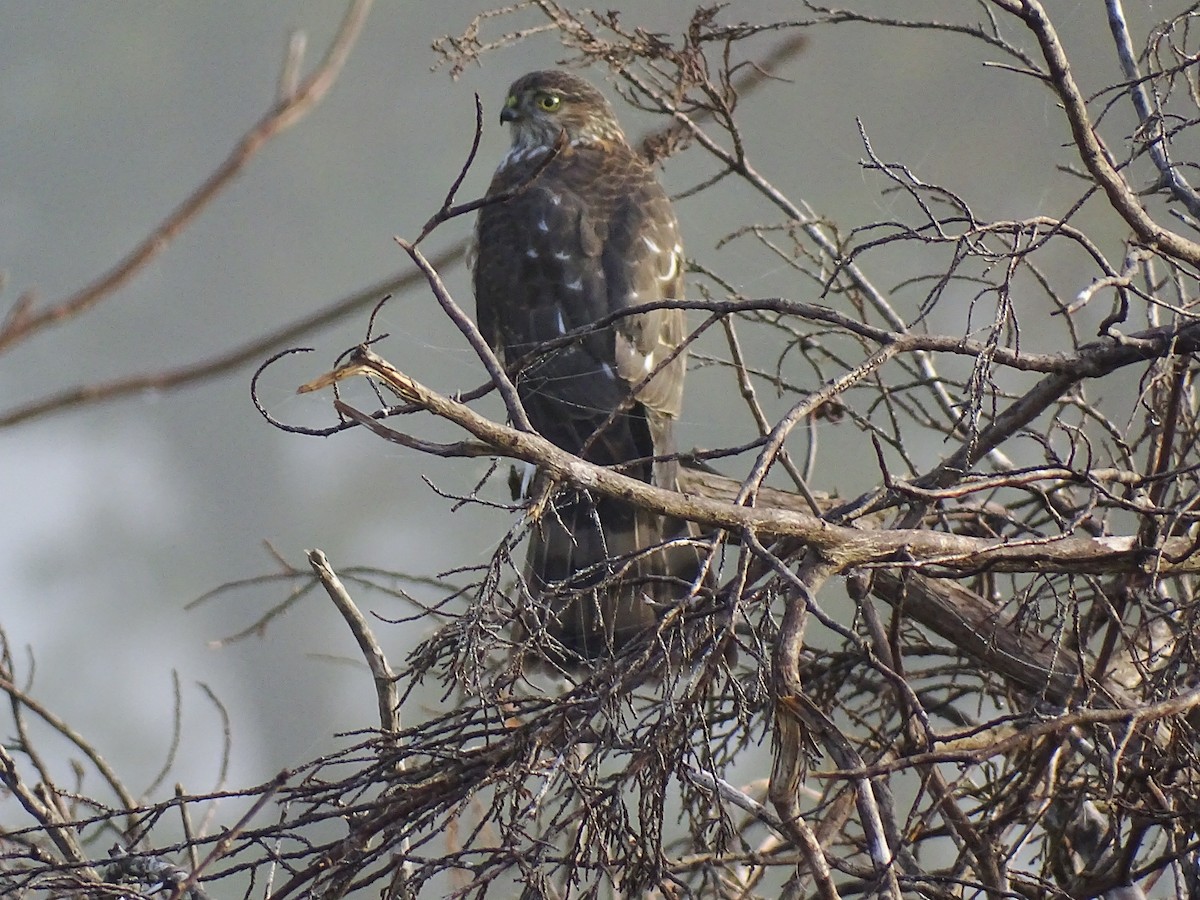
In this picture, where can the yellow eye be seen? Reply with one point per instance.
(549, 102)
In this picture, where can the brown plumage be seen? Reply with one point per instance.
(591, 234)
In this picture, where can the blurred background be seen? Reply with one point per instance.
(116, 515)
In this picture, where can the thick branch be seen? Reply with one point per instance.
(841, 546)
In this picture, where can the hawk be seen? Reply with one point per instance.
(582, 236)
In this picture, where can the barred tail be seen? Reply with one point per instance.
(594, 578)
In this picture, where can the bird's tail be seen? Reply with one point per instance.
(598, 573)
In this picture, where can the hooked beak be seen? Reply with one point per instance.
(511, 112)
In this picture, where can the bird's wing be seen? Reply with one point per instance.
(592, 235)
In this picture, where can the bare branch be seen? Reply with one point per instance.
(385, 678)
(287, 111)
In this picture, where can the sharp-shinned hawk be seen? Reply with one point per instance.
(586, 235)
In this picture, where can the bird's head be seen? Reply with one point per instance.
(542, 105)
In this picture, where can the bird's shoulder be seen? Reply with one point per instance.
(592, 170)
